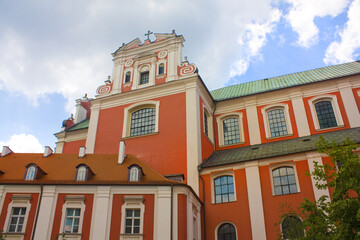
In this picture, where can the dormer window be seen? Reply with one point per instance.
(161, 68)
(127, 77)
(30, 173)
(135, 173)
(144, 77)
(33, 172)
(83, 173)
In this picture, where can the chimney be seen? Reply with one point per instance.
(121, 152)
(5, 151)
(82, 152)
(48, 151)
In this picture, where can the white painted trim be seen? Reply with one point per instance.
(132, 202)
(311, 163)
(267, 109)
(77, 202)
(302, 123)
(335, 106)
(220, 119)
(253, 122)
(279, 165)
(19, 203)
(223, 222)
(209, 124)
(350, 105)
(137, 106)
(220, 174)
(93, 124)
(100, 212)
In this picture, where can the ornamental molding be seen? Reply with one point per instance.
(186, 69)
(162, 54)
(104, 89)
(129, 63)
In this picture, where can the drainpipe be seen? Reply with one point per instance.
(214, 126)
(37, 212)
(203, 213)
(171, 213)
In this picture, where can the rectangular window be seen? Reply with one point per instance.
(206, 131)
(231, 131)
(132, 221)
(144, 77)
(72, 220)
(17, 219)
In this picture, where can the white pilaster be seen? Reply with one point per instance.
(351, 108)
(45, 218)
(193, 141)
(253, 122)
(162, 221)
(118, 75)
(312, 158)
(98, 228)
(94, 119)
(300, 114)
(2, 195)
(255, 201)
(59, 147)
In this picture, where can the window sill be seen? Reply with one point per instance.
(282, 136)
(13, 236)
(230, 145)
(214, 203)
(285, 194)
(126, 84)
(70, 236)
(330, 128)
(131, 234)
(144, 135)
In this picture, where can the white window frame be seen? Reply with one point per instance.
(264, 112)
(18, 201)
(137, 106)
(224, 222)
(221, 118)
(131, 76)
(132, 202)
(217, 175)
(31, 169)
(141, 69)
(162, 61)
(73, 201)
(82, 172)
(281, 222)
(209, 124)
(335, 106)
(134, 175)
(279, 165)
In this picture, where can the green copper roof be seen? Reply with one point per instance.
(289, 80)
(81, 125)
(280, 148)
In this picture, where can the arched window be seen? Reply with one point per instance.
(127, 77)
(142, 121)
(81, 173)
(325, 114)
(231, 131)
(30, 173)
(284, 180)
(291, 227)
(226, 232)
(161, 68)
(277, 122)
(134, 174)
(224, 189)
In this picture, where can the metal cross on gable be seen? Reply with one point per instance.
(148, 35)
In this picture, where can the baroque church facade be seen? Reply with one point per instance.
(156, 155)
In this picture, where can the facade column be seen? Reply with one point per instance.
(300, 114)
(311, 159)
(351, 108)
(193, 136)
(163, 214)
(253, 121)
(101, 210)
(91, 136)
(255, 201)
(44, 222)
(118, 75)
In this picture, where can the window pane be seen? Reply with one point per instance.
(137, 213)
(70, 212)
(226, 232)
(77, 212)
(142, 122)
(325, 114)
(284, 182)
(292, 228)
(231, 131)
(277, 123)
(224, 189)
(144, 77)
(136, 229)
(127, 229)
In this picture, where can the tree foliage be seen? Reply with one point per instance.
(337, 218)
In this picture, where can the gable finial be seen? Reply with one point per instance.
(148, 35)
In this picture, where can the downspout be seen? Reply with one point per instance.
(213, 114)
(203, 213)
(171, 212)
(37, 212)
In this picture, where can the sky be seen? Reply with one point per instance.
(53, 52)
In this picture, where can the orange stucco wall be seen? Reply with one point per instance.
(182, 216)
(31, 218)
(273, 204)
(74, 146)
(235, 212)
(311, 120)
(262, 124)
(164, 151)
(85, 231)
(246, 133)
(207, 147)
(148, 216)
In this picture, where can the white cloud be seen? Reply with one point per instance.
(343, 50)
(302, 13)
(23, 143)
(253, 39)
